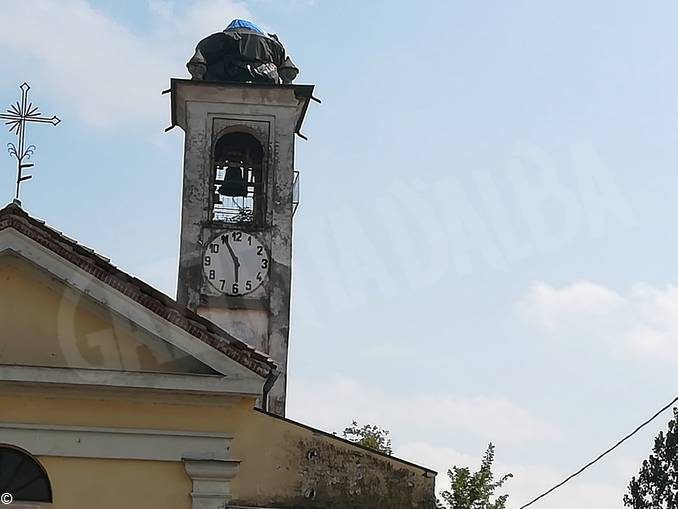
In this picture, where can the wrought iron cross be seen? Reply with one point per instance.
(16, 117)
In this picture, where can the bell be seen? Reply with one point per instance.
(234, 183)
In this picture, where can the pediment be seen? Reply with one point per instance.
(47, 323)
(58, 317)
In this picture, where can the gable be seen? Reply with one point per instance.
(46, 323)
(95, 329)
(92, 273)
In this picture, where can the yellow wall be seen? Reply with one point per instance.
(274, 453)
(43, 324)
(79, 483)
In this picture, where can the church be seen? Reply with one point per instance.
(113, 394)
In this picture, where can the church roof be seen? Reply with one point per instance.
(99, 267)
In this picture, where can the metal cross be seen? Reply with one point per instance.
(16, 117)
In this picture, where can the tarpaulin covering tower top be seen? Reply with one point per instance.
(242, 53)
(243, 23)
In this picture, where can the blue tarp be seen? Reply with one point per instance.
(243, 23)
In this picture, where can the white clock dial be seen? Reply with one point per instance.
(235, 262)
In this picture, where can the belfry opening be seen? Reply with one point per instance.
(239, 186)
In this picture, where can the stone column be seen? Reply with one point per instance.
(211, 481)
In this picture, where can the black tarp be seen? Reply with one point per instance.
(241, 54)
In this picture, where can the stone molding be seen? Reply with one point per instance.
(195, 384)
(211, 481)
(115, 443)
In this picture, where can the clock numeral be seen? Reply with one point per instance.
(212, 264)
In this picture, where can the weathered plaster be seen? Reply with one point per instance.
(325, 472)
(334, 476)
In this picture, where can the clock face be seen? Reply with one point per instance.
(235, 263)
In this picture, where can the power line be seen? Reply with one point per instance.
(601, 456)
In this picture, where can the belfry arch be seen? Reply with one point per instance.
(239, 179)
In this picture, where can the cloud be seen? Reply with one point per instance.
(551, 306)
(654, 333)
(641, 322)
(487, 418)
(107, 73)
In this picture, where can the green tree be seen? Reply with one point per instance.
(656, 486)
(475, 490)
(369, 436)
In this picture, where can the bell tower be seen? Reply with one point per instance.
(239, 196)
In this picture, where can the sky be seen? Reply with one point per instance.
(485, 247)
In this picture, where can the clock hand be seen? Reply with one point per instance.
(236, 262)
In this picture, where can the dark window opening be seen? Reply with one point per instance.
(239, 187)
(23, 477)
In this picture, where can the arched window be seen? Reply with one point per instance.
(23, 477)
(239, 187)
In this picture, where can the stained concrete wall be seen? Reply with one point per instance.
(248, 325)
(325, 472)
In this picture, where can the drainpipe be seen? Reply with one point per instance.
(268, 385)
